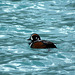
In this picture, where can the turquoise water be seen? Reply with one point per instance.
(53, 20)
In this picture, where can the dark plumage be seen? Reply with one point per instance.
(36, 42)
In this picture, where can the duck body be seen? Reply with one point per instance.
(36, 42)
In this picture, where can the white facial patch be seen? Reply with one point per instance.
(36, 38)
(31, 38)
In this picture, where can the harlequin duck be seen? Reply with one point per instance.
(36, 42)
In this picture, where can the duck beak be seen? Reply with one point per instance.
(29, 39)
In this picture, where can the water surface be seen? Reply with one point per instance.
(53, 20)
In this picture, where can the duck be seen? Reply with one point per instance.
(36, 42)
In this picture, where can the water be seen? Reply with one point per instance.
(53, 20)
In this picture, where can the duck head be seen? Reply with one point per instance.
(34, 37)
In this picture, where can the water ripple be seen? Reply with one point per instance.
(53, 21)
